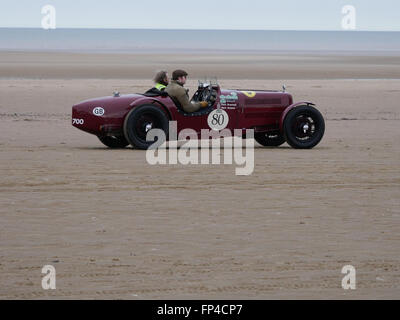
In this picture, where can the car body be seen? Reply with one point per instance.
(264, 111)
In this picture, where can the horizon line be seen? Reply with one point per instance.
(196, 29)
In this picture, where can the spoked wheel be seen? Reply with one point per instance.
(269, 139)
(140, 121)
(114, 142)
(303, 127)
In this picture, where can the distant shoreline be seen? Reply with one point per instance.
(200, 41)
(155, 51)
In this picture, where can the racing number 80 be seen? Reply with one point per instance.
(218, 119)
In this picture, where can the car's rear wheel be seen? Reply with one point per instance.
(269, 139)
(303, 127)
(114, 142)
(142, 119)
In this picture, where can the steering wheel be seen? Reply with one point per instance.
(204, 94)
(207, 94)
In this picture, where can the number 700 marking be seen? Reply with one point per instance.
(77, 121)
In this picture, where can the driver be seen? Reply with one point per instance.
(175, 89)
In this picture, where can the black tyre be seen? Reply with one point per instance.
(269, 139)
(142, 119)
(303, 127)
(114, 142)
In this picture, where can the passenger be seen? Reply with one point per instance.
(175, 89)
(161, 80)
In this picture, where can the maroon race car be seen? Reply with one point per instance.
(120, 120)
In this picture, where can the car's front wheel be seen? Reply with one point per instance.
(140, 120)
(114, 142)
(269, 139)
(303, 127)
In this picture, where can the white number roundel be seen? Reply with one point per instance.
(98, 111)
(218, 119)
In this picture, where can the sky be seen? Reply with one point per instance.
(371, 15)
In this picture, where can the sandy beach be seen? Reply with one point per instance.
(116, 227)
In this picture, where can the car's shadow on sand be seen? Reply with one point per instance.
(130, 149)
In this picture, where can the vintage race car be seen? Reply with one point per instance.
(120, 120)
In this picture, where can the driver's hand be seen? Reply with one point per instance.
(213, 98)
(204, 104)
